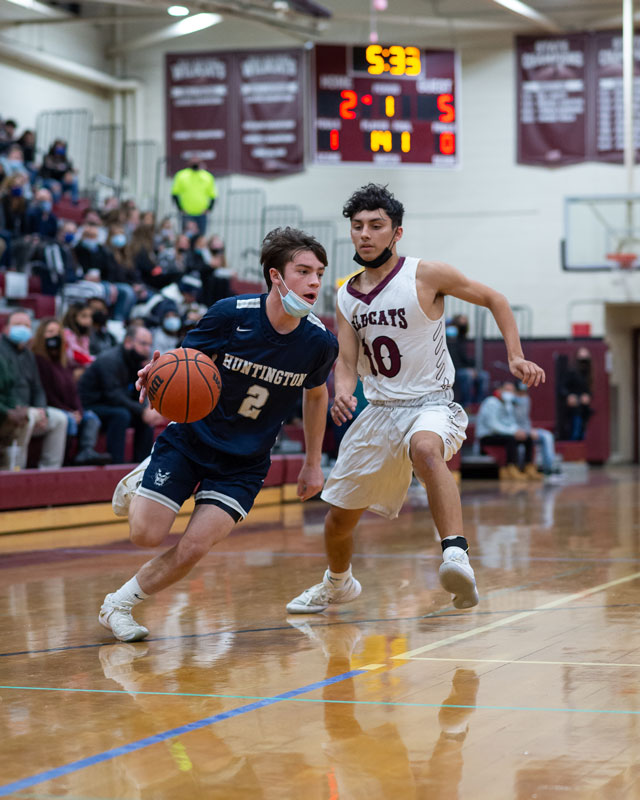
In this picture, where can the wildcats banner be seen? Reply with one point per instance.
(236, 112)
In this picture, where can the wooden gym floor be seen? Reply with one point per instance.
(534, 694)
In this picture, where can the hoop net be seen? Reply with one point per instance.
(623, 260)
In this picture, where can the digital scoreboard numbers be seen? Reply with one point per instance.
(385, 104)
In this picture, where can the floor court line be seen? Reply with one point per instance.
(108, 755)
(569, 598)
(392, 703)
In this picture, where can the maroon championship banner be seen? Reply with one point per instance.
(198, 110)
(570, 98)
(608, 101)
(271, 113)
(552, 99)
(237, 112)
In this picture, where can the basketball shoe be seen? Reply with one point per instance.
(337, 641)
(457, 578)
(126, 489)
(117, 618)
(319, 597)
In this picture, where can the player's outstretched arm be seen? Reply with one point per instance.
(141, 383)
(314, 418)
(449, 280)
(346, 372)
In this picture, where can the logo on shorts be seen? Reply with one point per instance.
(161, 477)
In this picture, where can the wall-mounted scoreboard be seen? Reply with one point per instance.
(386, 105)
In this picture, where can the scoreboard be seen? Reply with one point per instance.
(386, 105)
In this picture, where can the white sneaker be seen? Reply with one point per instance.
(322, 595)
(456, 577)
(337, 641)
(126, 489)
(117, 618)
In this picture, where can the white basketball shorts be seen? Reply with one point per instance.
(374, 469)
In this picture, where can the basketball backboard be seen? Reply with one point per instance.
(601, 232)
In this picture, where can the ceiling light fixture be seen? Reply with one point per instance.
(177, 11)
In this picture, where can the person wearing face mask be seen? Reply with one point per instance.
(13, 164)
(575, 390)
(77, 322)
(58, 173)
(498, 423)
(214, 286)
(40, 217)
(29, 396)
(271, 350)
(100, 337)
(392, 334)
(14, 206)
(167, 335)
(107, 387)
(194, 193)
(471, 384)
(62, 392)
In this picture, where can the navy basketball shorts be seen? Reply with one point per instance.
(227, 481)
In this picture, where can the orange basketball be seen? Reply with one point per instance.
(184, 385)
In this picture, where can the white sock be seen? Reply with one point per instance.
(131, 592)
(337, 578)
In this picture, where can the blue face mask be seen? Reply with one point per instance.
(19, 334)
(508, 397)
(452, 331)
(172, 324)
(69, 237)
(14, 163)
(16, 191)
(90, 244)
(118, 240)
(294, 304)
(46, 206)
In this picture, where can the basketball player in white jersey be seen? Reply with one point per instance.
(391, 333)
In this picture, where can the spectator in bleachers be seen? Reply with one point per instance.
(14, 204)
(471, 385)
(40, 218)
(166, 336)
(496, 424)
(58, 173)
(46, 421)
(7, 134)
(62, 391)
(100, 338)
(543, 437)
(165, 235)
(13, 164)
(131, 216)
(91, 217)
(121, 273)
(13, 416)
(77, 323)
(145, 260)
(194, 193)
(214, 286)
(577, 394)
(108, 388)
(27, 142)
(175, 257)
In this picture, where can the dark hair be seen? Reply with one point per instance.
(38, 345)
(281, 245)
(372, 197)
(70, 318)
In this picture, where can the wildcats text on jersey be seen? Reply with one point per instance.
(263, 371)
(395, 317)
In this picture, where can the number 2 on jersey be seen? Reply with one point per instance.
(252, 404)
(385, 356)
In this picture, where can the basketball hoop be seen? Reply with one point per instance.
(623, 260)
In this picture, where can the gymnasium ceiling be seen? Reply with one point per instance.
(428, 21)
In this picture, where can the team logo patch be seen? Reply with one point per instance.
(161, 477)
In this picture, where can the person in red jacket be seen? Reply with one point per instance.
(61, 390)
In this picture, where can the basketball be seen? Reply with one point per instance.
(184, 385)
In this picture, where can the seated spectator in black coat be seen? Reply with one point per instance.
(100, 337)
(471, 385)
(40, 218)
(108, 388)
(58, 172)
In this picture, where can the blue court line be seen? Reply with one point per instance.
(279, 698)
(132, 747)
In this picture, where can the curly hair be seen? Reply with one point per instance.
(281, 245)
(372, 197)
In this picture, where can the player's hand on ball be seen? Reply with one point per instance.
(527, 371)
(343, 407)
(310, 482)
(141, 383)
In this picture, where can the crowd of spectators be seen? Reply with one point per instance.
(123, 285)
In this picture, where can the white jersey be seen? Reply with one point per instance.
(403, 353)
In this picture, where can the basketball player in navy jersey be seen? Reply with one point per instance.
(269, 349)
(391, 330)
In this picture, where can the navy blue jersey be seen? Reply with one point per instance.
(263, 374)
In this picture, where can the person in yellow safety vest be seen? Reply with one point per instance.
(194, 192)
